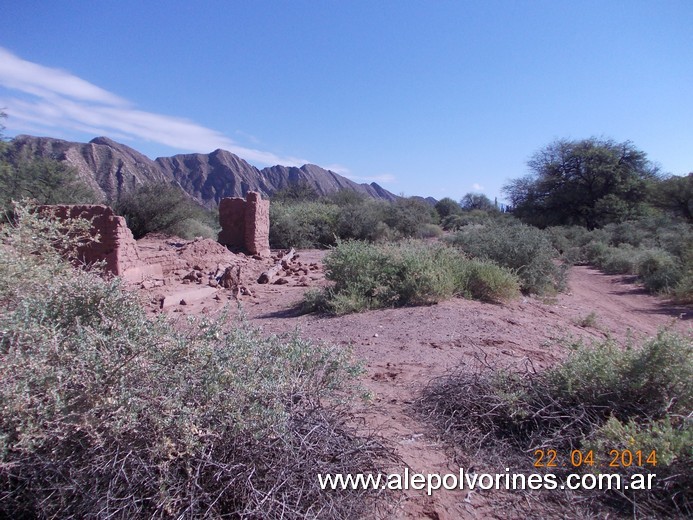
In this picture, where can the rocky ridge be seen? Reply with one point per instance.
(113, 168)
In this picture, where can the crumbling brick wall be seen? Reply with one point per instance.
(245, 223)
(116, 245)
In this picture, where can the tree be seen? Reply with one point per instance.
(477, 201)
(590, 183)
(298, 191)
(163, 208)
(674, 194)
(44, 181)
(446, 207)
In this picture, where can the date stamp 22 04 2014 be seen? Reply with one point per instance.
(624, 458)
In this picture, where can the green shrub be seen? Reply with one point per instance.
(596, 252)
(683, 292)
(620, 260)
(364, 220)
(525, 249)
(659, 271)
(303, 224)
(670, 442)
(429, 231)
(165, 208)
(408, 215)
(484, 280)
(108, 413)
(370, 276)
(42, 180)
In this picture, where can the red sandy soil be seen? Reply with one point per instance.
(403, 349)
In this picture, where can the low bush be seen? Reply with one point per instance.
(363, 219)
(407, 215)
(107, 413)
(303, 224)
(683, 292)
(371, 276)
(601, 398)
(165, 208)
(525, 249)
(655, 248)
(660, 272)
(624, 259)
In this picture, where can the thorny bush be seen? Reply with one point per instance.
(601, 398)
(107, 413)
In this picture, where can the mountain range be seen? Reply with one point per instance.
(113, 168)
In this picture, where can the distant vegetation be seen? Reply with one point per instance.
(658, 250)
(164, 208)
(44, 181)
(590, 201)
(605, 204)
(300, 218)
(526, 250)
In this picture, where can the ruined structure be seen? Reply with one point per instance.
(116, 245)
(245, 223)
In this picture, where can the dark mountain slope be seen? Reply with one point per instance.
(113, 169)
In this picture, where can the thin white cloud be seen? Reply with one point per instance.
(32, 78)
(53, 100)
(477, 187)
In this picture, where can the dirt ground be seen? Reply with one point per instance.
(403, 349)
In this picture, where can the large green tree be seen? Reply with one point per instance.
(590, 182)
(675, 195)
(446, 207)
(477, 201)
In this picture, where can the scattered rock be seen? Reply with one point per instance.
(231, 277)
(281, 281)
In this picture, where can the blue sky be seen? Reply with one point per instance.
(435, 98)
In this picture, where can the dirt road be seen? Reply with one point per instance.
(403, 349)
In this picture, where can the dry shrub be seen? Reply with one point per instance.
(601, 398)
(107, 413)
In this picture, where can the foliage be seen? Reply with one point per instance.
(348, 215)
(108, 413)
(674, 194)
(447, 207)
(368, 276)
(406, 215)
(525, 249)
(683, 292)
(44, 181)
(164, 208)
(303, 224)
(589, 183)
(478, 201)
(364, 220)
(658, 249)
(468, 218)
(299, 191)
(600, 398)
